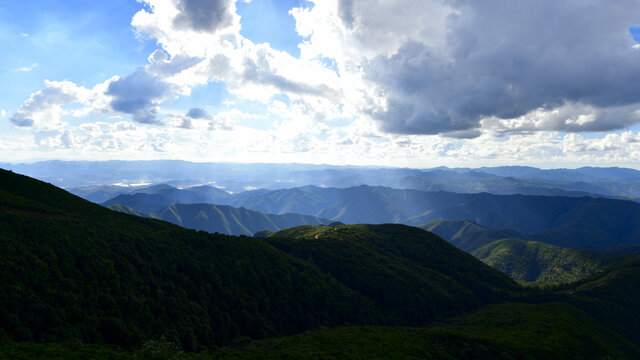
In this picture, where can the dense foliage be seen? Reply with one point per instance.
(80, 272)
(77, 278)
(530, 261)
(406, 290)
(513, 331)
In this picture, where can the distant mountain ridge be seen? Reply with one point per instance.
(80, 281)
(224, 219)
(597, 224)
(235, 177)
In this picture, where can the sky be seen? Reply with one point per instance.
(412, 83)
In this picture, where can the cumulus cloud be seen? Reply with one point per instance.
(220, 122)
(44, 108)
(203, 15)
(139, 94)
(160, 64)
(574, 117)
(28, 68)
(198, 113)
(534, 55)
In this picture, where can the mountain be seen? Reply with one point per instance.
(157, 197)
(73, 271)
(507, 331)
(224, 219)
(467, 235)
(530, 261)
(140, 202)
(79, 280)
(236, 177)
(596, 224)
(384, 261)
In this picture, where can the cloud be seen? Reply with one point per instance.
(581, 54)
(440, 67)
(198, 113)
(203, 15)
(220, 122)
(160, 64)
(139, 94)
(186, 123)
(28, 68)
(44, 109)
(570, 117)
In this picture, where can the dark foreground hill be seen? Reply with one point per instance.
(74, 271)
(413, 276)
(79, 280)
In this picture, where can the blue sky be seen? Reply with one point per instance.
(341, 82)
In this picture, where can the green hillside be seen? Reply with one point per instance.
(530, 261)
(412, 275)
(550, 331)
(78, 280)
(510, 331)
(75, 271)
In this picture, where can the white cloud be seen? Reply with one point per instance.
(28, 68)
(437, 67)
(44, 109)
(407, 83)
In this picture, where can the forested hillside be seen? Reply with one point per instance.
(79, 279)
(530, 261)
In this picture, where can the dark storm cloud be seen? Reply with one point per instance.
(138, 94)
(504, 59)
(203, 15)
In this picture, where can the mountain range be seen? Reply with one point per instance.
(78, 279)
(237, 177)
(598, 224)
(224, 219)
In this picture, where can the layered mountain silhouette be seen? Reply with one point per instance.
(597, 224)
(83, 176)
(220, 218)
(115, 285)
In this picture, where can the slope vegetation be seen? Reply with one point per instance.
(413, 276)
(74, 271)
(530, 261)
(77, 279)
